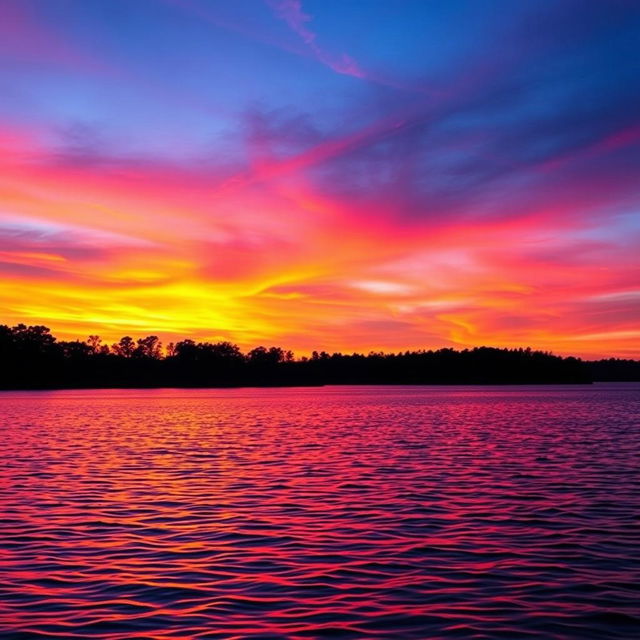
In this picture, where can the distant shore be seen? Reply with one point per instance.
(32, 358)
(293, 385)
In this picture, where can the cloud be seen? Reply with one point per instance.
(495, 210)
(291, 12)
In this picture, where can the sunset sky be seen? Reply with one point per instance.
(323, 174)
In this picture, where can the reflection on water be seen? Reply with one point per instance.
(353, 512)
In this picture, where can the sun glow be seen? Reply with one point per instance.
(329, 217)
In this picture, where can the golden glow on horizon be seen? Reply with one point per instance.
(156, 253)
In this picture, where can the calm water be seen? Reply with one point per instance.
(352, 512)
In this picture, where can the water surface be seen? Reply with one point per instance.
(337, 512)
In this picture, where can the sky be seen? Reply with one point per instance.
(347, 175)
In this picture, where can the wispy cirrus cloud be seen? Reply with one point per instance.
(292, 13)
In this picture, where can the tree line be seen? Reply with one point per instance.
(31, 357)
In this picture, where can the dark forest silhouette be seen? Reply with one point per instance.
(32, 358)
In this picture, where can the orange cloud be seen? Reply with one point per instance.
(148, 249)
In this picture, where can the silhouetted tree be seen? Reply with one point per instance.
(615, 369)
(75, 349)
(94, 343)
(264, 356)
(149, 347)
(31, 357)
(35, 339)
(125, 348)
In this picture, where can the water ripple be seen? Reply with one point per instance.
(348, 512)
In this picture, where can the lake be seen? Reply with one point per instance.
(334, 512)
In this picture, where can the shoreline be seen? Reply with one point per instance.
(318, 386)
